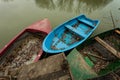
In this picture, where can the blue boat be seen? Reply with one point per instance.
(69, 34)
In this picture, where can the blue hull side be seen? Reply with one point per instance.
(69, 35)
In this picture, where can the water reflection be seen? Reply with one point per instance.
(73, 5)
(6, 0)
(48, 4)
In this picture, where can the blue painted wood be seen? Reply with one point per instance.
(76, 31)
(69, 34)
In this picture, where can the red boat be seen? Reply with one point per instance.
(25, 48)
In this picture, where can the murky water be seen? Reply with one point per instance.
(18, 14)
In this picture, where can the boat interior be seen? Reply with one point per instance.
(72, 32)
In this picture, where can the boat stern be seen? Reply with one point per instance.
(42, 25)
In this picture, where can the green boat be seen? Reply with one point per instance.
(113, 75)
(96, 57)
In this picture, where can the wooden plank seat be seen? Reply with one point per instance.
(80, 33)
(87, 22)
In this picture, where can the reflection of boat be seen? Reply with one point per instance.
(97, 56)
(69, 35)
(52, 68)
(25, 48)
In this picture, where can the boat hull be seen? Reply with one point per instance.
(25, 48)
(69, 35)
(92, 59)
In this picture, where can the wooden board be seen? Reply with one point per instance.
(117, 31)
(106, 55)
(108, 47)
(52, 68)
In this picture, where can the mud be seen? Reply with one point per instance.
(23, 52)
(113, 41)
(98, 63)
(104, 57)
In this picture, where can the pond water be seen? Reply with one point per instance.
(18, 14)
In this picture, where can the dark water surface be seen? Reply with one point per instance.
(18, 14)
